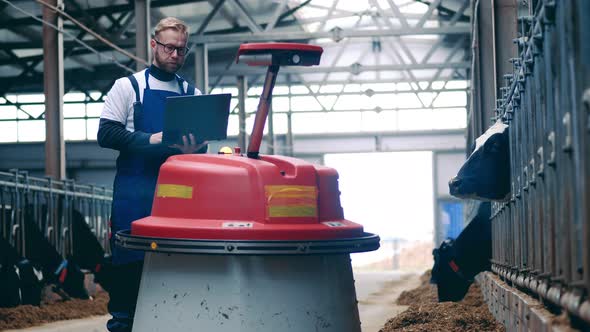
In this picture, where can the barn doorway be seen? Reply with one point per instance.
(390, 194)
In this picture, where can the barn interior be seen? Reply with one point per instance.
(429, 222)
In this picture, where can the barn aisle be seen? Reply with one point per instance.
(377, 293)
(91, 324)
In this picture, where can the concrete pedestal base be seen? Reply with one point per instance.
(246, 293)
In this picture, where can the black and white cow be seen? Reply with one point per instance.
(9, 279)
(89, 254)
(9, 286)
(457, 262)
(31, 282)
(64, 273)
(486, 173)
(20, 282)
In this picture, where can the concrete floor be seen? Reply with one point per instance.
(376, 293)
(92, 324)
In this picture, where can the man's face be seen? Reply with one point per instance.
(169, 62)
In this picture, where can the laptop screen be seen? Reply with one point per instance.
(205, 116)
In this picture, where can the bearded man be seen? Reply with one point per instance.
(132, 122)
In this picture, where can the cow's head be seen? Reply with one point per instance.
(71, 280)
(486, 173)
(457, 262)
(452, 285)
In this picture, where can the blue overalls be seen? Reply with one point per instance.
(133, 194)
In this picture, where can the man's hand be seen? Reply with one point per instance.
(156, 138)
(190, 145)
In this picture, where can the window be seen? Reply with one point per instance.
(329, 108)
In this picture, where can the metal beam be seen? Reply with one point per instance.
(276, 15)
(459, 13)
(334, 34)
(250, 22)
(90, 21)
(396, 13)
(96, 11)
(53, 79)
(209, 17)
(431, 7)
(238, 70)
(233, 22)
(328, 16)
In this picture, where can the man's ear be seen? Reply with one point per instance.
(152, 43)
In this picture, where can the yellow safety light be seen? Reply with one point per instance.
(225, 150)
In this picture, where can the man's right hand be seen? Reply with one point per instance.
(156, 138)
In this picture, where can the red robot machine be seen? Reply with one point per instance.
(248, 243)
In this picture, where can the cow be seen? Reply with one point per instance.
(9, 278)
(9, 286)
(31, 282)
(486, 173)
(64, 273)
(457, 262)
(20, 281)
(88, 252)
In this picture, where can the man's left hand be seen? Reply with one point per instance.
(189, 144)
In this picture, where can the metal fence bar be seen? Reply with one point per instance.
(48, 205)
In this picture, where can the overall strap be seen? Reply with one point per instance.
(190, 89)
(135, 87)
(137, 107)
(147, 76)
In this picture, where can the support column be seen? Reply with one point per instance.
(485, 73)
(242, 95)
(271, 131)
(201, 68)
(53, 87)
(142, 28)
(289, 138)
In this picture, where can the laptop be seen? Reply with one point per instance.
(204, 116)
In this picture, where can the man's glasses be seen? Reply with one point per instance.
(168, 48)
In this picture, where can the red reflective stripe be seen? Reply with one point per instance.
(63, 274)
(454, 266)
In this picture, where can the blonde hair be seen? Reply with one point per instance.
(171, 23)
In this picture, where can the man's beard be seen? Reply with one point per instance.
(167, 65)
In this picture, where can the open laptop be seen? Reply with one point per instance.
(204, 116)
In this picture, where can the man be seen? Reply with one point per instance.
(131, 122)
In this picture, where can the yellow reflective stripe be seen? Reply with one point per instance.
(175, 191)
(291, 189)
(292, 211)
(291, 194)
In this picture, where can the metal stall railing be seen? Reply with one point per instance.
(51, 207)
(541, 234)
